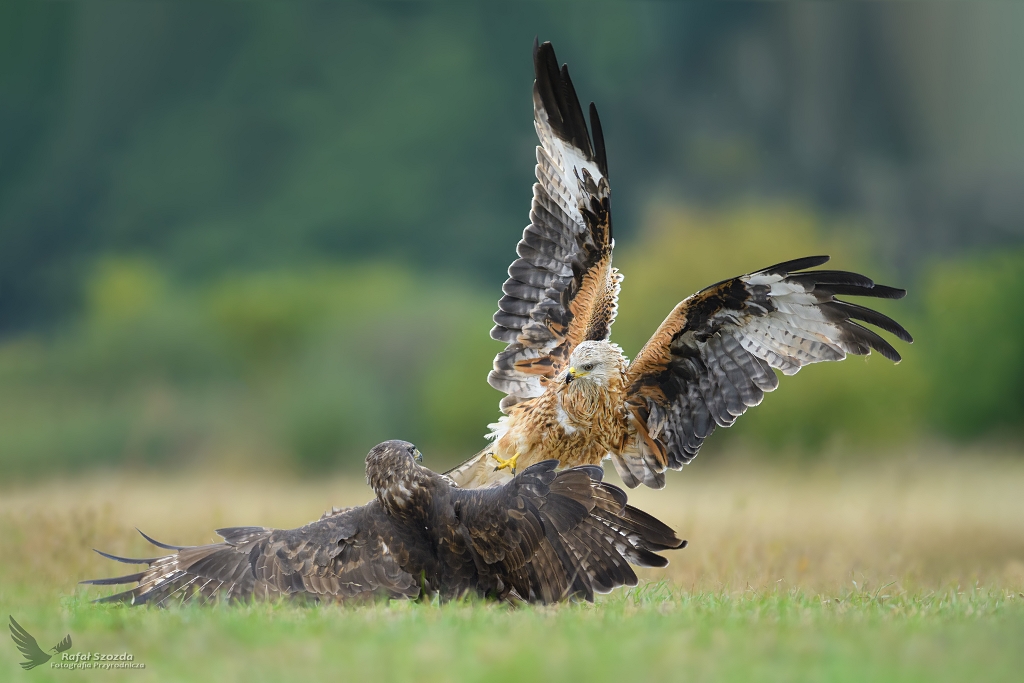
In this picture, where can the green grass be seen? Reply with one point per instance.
(653, 632)
(907, 569)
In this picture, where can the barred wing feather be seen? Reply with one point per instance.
(562, 289)
(341, 557)
(713, 357)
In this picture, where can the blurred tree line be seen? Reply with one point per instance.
(221, 135)
(277, 231)
(308, 368)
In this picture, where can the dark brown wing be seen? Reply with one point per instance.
(713, 356)
(562, 289)
(549, 535)
(342, 557)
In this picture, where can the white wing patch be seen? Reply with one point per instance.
(563, 419)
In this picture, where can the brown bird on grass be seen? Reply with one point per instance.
(543, 537)
(572, 394)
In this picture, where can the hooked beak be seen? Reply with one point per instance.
(417, 455)
(571, 375)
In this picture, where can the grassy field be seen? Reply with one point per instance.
(891, 568)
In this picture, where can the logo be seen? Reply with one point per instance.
(34, 655)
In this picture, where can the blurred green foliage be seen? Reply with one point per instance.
(306, 369)
(975, 309)
(274, 233)
(217, 136)
(287, 367)
(214, 136)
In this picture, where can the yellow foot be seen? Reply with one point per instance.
(509, 464)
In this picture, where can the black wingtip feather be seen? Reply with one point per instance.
(545, 66)
(875, 291)
(875, 318)
(115, 580)
(574, 114)
(126, 560)
(561, 104)
(645, 558)
(158, 544)
(819, 278)
(871, 338)
(787, 267)
(883, 292)
(600, 154)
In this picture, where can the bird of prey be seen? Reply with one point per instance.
(26, 643)
(542, 537)
(571, 394)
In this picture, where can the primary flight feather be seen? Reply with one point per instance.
(571, 394)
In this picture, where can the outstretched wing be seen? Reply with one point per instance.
(549, 535)
(341, 557)
(562, 289)
(713, 356)
(28, 646)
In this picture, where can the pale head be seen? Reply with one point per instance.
(596, 363)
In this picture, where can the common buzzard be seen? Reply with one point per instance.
(572, 394)
(542, 537)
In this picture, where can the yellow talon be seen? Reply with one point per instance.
(509, 464)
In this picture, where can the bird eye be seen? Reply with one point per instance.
(587, 367)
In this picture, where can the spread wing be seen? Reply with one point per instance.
(713, 356)
(562, 289)
(548, 535)
(340, 557)
(28, 646)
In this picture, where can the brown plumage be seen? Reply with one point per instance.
(543, 537)
(573, 395)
